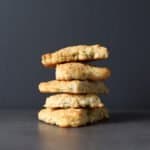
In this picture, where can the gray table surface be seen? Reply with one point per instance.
(20, 130)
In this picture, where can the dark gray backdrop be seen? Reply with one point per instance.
(29, 28)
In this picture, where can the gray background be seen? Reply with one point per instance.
(29, 28)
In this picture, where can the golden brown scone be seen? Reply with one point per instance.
(80, 71)
(73, 101)
(72, 117)
(97, 114)
(75, 53)
(74, 86)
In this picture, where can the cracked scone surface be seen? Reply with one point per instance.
(72, 117)
(80, 71)
(74, 86)
(73, 101)
(75, 53)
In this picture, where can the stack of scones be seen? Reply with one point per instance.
(77, 85)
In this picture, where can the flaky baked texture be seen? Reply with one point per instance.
(80, 71)
(73, 101)
(74, 86)
(75, 53)
(72, 117)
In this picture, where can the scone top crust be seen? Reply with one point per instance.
(81, 71)
(73, 101)
(75, 53)
(72, 117)
(74, 86)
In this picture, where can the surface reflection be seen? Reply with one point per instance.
(52, 137)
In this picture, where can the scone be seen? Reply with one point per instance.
(74, 86)
(72, 117)
(75, 53)
(80, 71)
(73, 101)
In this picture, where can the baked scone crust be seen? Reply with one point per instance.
(73, 101)
(72, 117)
(75, 53)
(74, 86)
(80, 71)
